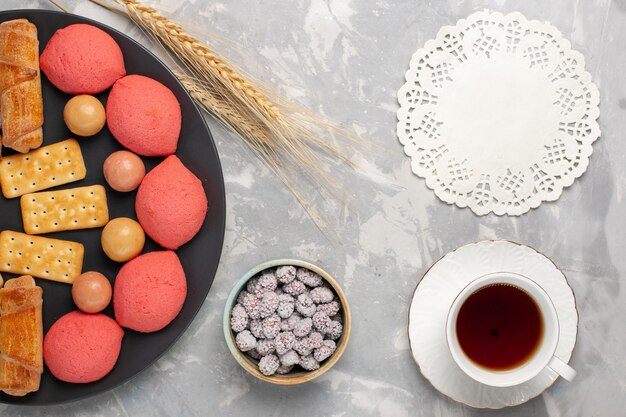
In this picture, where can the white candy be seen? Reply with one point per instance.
(245, 341)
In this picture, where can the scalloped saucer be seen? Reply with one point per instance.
(434, 295)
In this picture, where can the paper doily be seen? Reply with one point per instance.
(498, 113)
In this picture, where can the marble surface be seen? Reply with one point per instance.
(346, 59)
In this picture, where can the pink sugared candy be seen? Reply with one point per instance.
(286, 305)
(305, 305)
(322, 322)
(238, 318)
(303, 327)
(309, 277)
(284, 342)
(256, 328)
(328, 348)
(81, 347)
(245, 341)
(294, 288)
(265, 346)
(271, 326)
(331, 309)
(285, 274)
(149, 291)
(171, 204)
(268, 365)
(322, 295)
(269, 304)
(289, 359)
(335, 331)
(266, 283)
(309, 363)
(302, 347)
(288, 324)
(252, 304)
(315, 340)
(123, 171)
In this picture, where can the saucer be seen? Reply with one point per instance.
(437, 290)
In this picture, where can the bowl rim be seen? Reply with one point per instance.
(300, 377)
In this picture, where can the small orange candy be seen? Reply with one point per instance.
(84, 115)
(91, 292)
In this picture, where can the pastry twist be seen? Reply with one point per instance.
(21, 103)
(21, 336)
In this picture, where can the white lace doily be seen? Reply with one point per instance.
(498, 113)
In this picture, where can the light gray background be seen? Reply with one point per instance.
(347, 59)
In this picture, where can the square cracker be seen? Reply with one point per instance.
(41, 257)
(54, 211)
(47, 167)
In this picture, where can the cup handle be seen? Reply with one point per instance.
(564, 370)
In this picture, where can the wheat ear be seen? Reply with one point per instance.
(257, 141)
(289, 139)
(291, 129)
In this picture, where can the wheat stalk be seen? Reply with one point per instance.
(289, 126)
(200, 57)
(223, 110)
(258, 140)
(284, 135)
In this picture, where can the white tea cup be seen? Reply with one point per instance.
(543, 356)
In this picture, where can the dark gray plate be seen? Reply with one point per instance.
(199, 257)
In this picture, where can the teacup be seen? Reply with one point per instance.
(542, 355)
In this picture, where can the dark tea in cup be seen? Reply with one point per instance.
(499, 327)
(503, 330)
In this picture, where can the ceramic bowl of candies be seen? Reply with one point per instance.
(287, 321)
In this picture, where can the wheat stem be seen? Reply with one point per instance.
(222, 110)
(257, 139)
(198, 53)
(284, 135)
